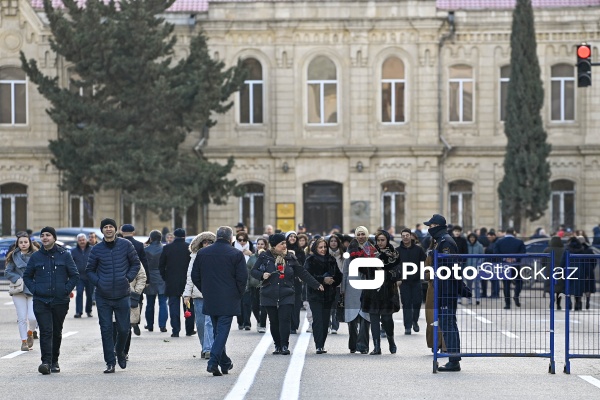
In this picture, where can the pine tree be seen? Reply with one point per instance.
(525, 189)
(138, 104)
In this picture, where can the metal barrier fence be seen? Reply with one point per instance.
(582, 335)
(514, 320)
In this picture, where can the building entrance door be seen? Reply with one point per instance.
(323, 207)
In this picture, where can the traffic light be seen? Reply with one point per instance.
(584, 65)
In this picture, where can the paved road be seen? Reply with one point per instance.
(166, 368)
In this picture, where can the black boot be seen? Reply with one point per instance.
(587, 303)
(578, 303)
(558, 301)
(392, 344)
(376, 346)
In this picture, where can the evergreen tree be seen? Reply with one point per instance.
(525, 189)
(138, 104)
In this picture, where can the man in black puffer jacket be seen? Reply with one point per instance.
(112, 265)
(51, 275)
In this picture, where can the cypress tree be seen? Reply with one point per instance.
(525, 189)
(138, 104)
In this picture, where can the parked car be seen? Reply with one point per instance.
(6, 245)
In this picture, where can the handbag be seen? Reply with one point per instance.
(340, 311)
(17, 287)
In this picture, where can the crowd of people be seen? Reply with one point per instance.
(274, 278)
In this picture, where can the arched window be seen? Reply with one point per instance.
(252, 206)
(562, 204)
(461, 204)
(563, 92)
(393, 203)
(82, 208)
(251, 94)
(460, 91)
(14, 208)
(13, 96)
(322, 92)
(393, 86)
(504, 79)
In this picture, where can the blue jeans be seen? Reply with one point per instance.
(203, 326)
(121, 309)
(218, 355)
(447, 317)
(163, 312)
(88, 287)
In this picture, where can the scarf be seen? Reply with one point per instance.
(242, 248)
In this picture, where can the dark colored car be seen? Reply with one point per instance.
(73, 232)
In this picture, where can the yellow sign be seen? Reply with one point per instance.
(285, 225)
(286, 210)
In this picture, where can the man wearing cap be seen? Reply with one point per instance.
(113, 263)
(448, 291)
(128, 231)
(50, 276)
(80, 255)
(173, 266)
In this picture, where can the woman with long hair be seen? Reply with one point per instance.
(16, 262)
(253, 286)
(277, 269)
(203, 325)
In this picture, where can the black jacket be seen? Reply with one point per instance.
(173, 266)
(81, 258)
(51, 275)
(219, 271)
(320, 267)
(111, 269)
(385, 300)
(139, 248)
(448, 289)
(413, 254)
(276, 291)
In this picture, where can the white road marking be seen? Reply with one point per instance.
(10, 303)
(590, 379)
(69, 334)
(15, 354)
(291, 383)
(509, 334)
(485, 321)
(248, 374)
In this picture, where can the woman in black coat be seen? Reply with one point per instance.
(323, 267)
(277, 269)
(383, 302)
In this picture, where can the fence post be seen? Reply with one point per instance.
(435, 311)
(552, 367)
(567, 257)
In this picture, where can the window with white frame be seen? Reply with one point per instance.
(504, 79)
(252, 207)
(322, 95)
(393, 86)
(187, 220)
(393, 203)
(13, 96)
(562, 203)
(460, 92)
(251, 93)
(13, 217)
(127, 210)
(82, 208)
(461, 204)
(563, 93)
(76, 85)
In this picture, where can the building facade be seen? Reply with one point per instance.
(375, 113)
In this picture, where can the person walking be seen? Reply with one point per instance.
(173, 266)
(157, 286)
(336, 250)
(411, 292)
(323, 267)
(253, 286)
(16, 263)
(51, 275)
(80, 254)
(509, 244)
(191, 292)
(128, 231)
(112, 265)
(277, 270)
(220, 273)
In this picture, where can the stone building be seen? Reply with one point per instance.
(355, 112)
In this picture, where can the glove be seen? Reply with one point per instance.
(134, 303)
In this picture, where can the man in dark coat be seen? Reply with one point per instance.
(80, 255)
(128, 231)
(509, 244)
(221, 274)
(448, 291)
(173, 266)
(50, 276)
(411, 293)
(112, 265)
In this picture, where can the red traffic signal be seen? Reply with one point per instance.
(584, 65)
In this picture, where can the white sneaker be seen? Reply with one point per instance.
(262, 329)
(309, 329)
(333, 332)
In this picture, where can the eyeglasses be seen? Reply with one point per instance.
(242, 240)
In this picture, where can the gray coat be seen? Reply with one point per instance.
(351, 297)
(157, 284)
(14, 269)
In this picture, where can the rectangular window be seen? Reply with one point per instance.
(251, 101)
(82, 210)
(13, 102)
